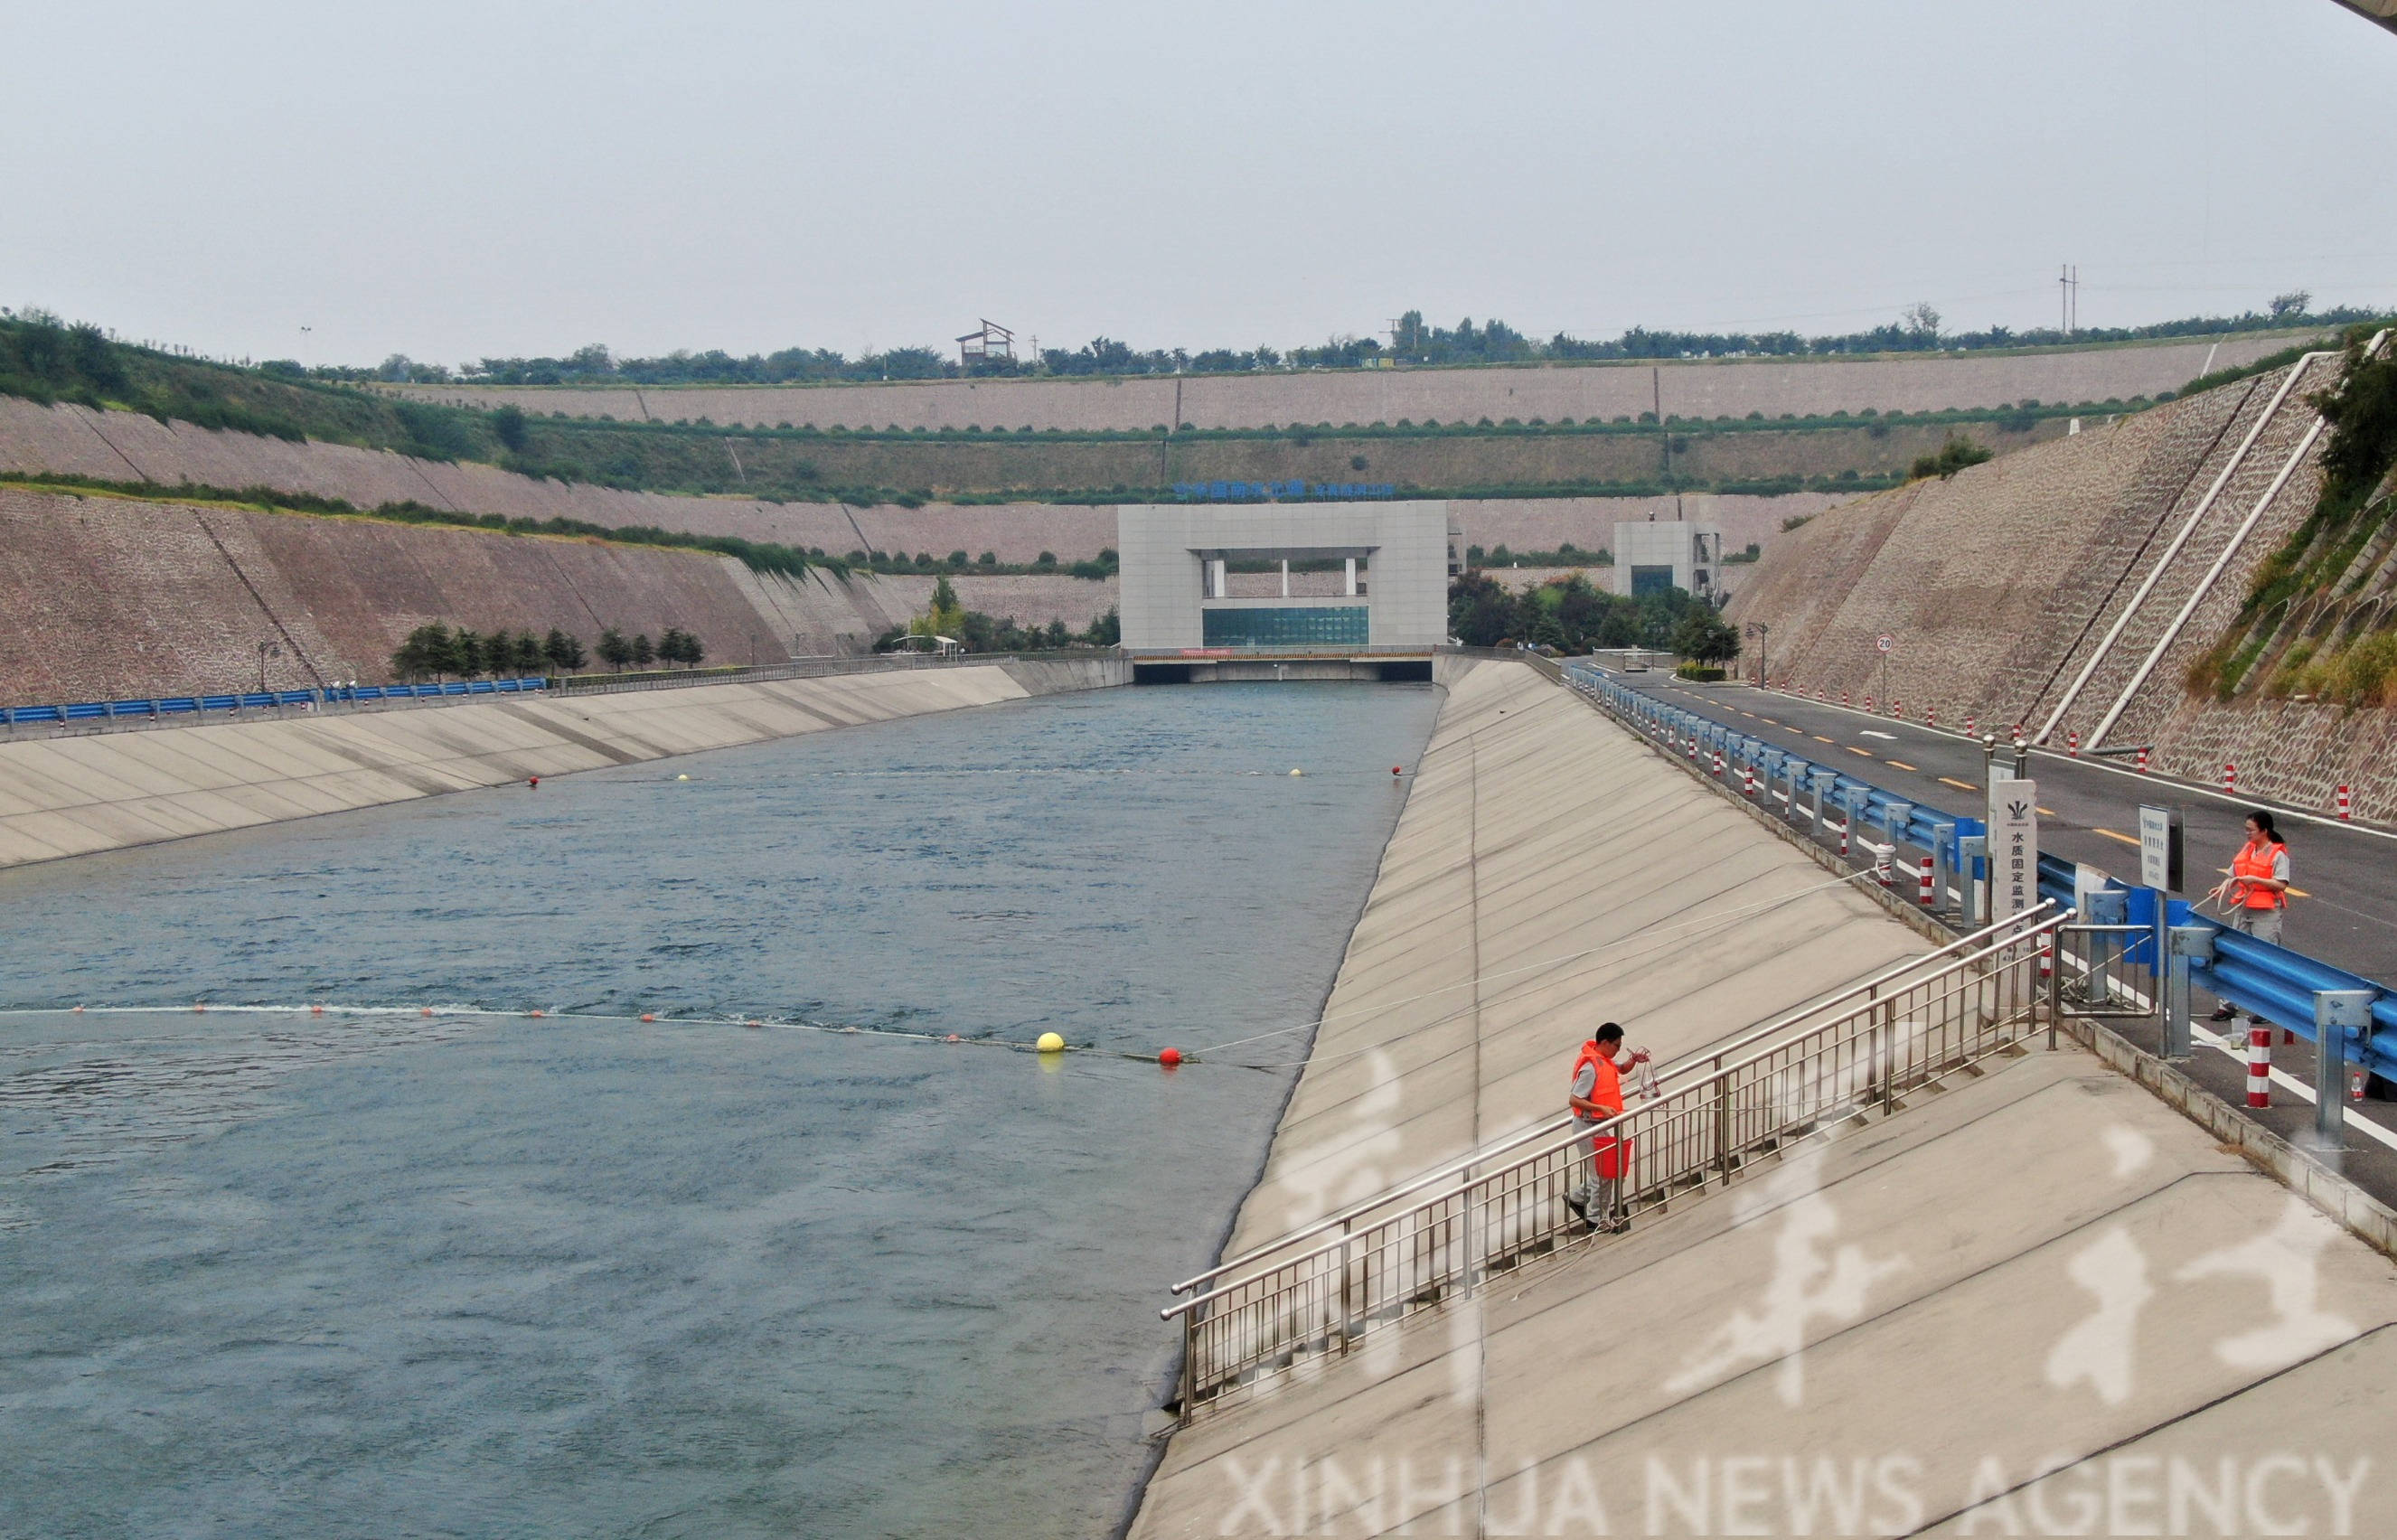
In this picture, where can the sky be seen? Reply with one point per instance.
(336, 184)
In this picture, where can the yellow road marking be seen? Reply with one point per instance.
(2111, 835)
(1960, 785)
(1853, 749)
(1750, 714)
(1768, 721)
(1820, 739)
(1899, 764)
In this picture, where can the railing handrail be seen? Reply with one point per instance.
(1682, 1066)
(1721, 1072)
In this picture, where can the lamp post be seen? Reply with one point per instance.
(265, 650)
(1763, 675)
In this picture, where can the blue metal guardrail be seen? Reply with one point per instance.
(2270, 982)
(192, 705)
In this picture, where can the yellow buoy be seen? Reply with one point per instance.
(1298, 772)
(682, 777)
(1050, 1043)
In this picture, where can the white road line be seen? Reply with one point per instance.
(2193, 788)
(2304, 1091)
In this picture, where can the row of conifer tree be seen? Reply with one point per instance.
(435, 650)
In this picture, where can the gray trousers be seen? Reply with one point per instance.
(1596, 1194)
(2264, 925)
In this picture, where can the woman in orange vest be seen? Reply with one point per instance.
(2257, 891)
(1597, 1095)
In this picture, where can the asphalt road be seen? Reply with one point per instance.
(2343, 908)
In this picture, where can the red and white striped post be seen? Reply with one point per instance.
(1843, 697)
(1869, 702)
(2143, 759)
(2073, 745)
(1927, 896)
(1968, 726)
(1748, 780)
(2344, 815)
(1719, 764)
(1898, 708)
(1847, 830)
(1933, 720)
(2230, 776)
(2259, 1065)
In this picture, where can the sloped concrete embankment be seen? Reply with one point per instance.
(2038, 1293)
(2002, 586)
(64, 796)
(1547, 851)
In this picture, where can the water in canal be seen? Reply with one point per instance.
(275, 1274)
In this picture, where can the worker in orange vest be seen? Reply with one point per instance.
(1597, 1095)
(2257, 891)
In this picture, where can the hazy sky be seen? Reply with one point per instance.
(456, 180)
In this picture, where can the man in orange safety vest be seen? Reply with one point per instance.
(1597, 1095)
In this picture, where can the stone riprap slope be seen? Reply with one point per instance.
(116, 599)
(1702, 389)
(126, 447)
(2000, 584)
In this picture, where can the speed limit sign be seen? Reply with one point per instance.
(1885, 641)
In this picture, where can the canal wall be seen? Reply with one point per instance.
(72, 796)
(1870, 1333)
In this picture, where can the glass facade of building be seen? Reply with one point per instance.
(1323, 625)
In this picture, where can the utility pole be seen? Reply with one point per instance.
(2068, 297)
(1757, 630)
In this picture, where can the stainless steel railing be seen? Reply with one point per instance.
(1704, 1061)
(1445, 1241)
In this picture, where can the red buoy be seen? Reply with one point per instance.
(1396, 770)
(1169, 1057)
(649, 1016)
(534, 781)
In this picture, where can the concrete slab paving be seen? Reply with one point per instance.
(1526, 895)
(74, 794)
(2037, 1289)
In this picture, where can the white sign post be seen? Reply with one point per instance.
(2013, 847)
(2159, 849)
